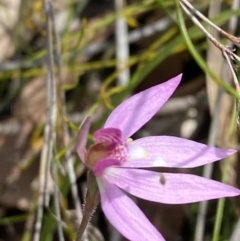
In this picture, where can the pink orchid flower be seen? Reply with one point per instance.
(115, 161)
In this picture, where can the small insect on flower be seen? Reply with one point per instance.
(162, 179)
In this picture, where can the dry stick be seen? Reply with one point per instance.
(215, 101)
(212, 54)
(232, 28)
(58, 60)
(235, 80)
(42, 174)
(68, 156)
(122, 46)
(49, 135)
(229, 36)
(29, 224)
(52, 87)
(57, 204)
(200, 224)
(230, 64)
(66, 139)
(122, 55)
(208, 35)
(225, 50)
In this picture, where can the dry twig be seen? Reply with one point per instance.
(49, 129)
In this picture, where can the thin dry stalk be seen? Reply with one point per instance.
(208, 35)
(49, 129)
(69, 158)
(215, 98)
(57, 204)
(54, 171)
(122, 45)
(227, 35)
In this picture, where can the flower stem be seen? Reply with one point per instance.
(83, 225)
(91, 201)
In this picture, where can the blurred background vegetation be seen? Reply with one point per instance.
(104, 51)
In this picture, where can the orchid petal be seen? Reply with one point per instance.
(124, 214)
(101, 165)
(81, 140)
(133, 113)
(168, 151)
(171, 188)
(110, 135)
